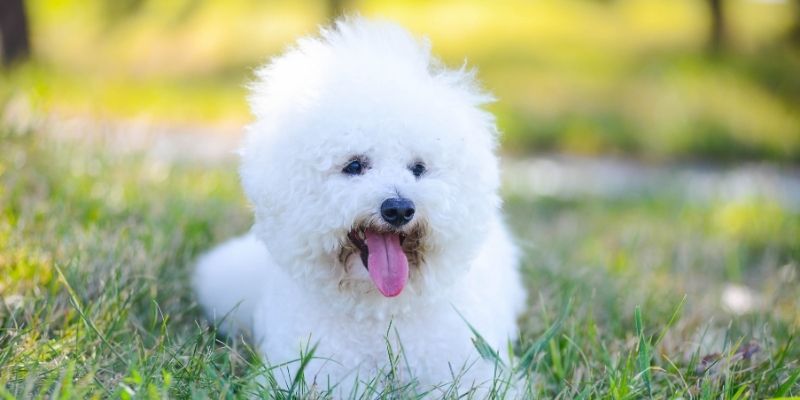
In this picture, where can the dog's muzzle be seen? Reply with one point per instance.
(387, 254)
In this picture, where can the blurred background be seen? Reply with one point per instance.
(658, 80)
(651, 158)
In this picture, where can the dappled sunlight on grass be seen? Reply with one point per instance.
(210, 101)
(763, 222)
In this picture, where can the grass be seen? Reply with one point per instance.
(96, 248)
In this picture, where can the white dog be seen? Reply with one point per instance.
(372, 173)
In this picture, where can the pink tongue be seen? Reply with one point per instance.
(387, 263)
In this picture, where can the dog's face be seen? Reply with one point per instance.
(370, 180)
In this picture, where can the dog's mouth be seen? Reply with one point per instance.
(386, 255)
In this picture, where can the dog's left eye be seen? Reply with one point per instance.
(417, 169)
(354, 167)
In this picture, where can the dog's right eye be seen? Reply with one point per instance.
(354, 167)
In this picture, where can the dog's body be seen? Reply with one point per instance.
(378, 233)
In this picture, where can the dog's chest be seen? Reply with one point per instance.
(427, 342)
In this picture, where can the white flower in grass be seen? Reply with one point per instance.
(739, 299)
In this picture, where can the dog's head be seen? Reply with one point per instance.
(370, 167)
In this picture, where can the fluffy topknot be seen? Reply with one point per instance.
(357, 50)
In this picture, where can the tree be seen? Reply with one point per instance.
(13, 31)
(717, 33)
(794, 32)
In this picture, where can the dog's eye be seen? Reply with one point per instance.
(417, 169)
(354, 167)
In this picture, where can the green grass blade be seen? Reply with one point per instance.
(76, 303)
(305, 359)
(481, 345)
(786, 386)
(739, 393)
(643, 356)
(526, 361)
(672, 319)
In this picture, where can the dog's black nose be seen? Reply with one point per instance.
(397, 211)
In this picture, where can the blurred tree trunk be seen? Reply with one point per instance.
(718, 34)
(794, 33)
(13, 31)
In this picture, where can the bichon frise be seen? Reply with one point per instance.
(372, 173)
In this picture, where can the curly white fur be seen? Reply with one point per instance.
(367, 89)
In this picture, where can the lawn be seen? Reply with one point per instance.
(97, 243)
